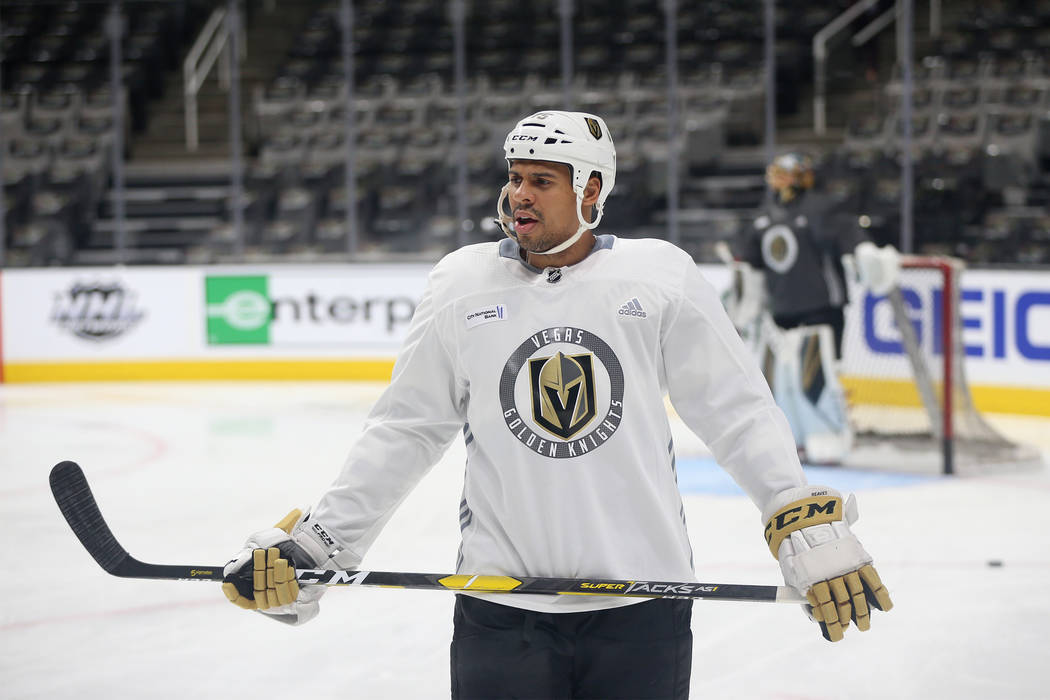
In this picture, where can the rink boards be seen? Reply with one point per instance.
(348, 321)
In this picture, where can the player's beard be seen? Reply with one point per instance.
(543, 242)
(537, 243)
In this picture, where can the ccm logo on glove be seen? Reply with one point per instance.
(802, 513)
(808, 531)
(325, 537)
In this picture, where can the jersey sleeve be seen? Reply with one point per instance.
(839, 229)
(406, 433)
(749, 247)
(717, 388)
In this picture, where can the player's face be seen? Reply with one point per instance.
(783, 182)
(542, 203)
(778, 178)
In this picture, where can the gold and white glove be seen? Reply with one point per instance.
(262, 575)
(808, 531)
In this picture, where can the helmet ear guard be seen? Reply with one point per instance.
(577, 139)
(504, 220)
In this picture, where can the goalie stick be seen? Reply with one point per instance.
(78, 506)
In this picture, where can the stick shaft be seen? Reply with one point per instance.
(78, 506)
(622, 588)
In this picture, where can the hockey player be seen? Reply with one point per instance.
(801, 244)
(551, 352)
(798, 242)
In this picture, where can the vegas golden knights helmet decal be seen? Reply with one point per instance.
(561, 392)
(594, 127)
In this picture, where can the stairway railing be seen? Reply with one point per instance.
(205, 52)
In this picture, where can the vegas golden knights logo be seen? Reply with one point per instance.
(594, 126)
(562, 393)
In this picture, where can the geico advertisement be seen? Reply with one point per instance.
(98, 313)
(1004, 318)
(362, 306)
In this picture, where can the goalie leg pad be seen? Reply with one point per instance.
(803, 376)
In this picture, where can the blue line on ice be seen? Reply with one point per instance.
(703, 475)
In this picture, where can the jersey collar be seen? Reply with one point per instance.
(508, 248)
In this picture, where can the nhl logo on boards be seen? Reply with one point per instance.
(553, 275)
(561, 392)
(97, 311)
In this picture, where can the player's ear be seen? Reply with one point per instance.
(592, 189)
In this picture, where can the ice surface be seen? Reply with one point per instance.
(183, 472)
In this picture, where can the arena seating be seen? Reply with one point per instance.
(980, 131)
(405, 112)
(980, 123)
(58, 128)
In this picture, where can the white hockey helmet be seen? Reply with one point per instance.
(579, 140)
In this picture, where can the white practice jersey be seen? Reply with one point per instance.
(556, 379)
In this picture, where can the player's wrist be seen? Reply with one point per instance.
(320, 548)
(800, 507)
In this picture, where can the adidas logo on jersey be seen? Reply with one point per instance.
(632, 308)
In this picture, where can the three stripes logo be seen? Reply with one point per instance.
(632, 307)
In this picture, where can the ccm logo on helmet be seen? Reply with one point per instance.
(524, 137)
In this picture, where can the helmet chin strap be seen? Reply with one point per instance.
(506, 222)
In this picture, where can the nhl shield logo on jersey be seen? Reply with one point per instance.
(562, 392)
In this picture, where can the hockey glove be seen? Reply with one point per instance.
(877, 268)
(262, 575)
(807, 529)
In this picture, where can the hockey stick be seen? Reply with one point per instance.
(75, 500)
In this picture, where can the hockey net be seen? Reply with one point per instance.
(903, 373)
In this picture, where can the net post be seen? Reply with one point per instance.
(948, 310)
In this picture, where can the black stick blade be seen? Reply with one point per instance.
(75, 500)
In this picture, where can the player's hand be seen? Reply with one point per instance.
(262, 575)
(807, 529)
(273, 581)
(877, 268)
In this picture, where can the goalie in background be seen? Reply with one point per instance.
(790, 297)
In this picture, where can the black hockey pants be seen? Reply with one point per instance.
(831, 316)
(638, 651)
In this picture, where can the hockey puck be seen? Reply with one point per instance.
(995, 562)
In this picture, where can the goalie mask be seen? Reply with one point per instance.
(576, 139)
(789, 175)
